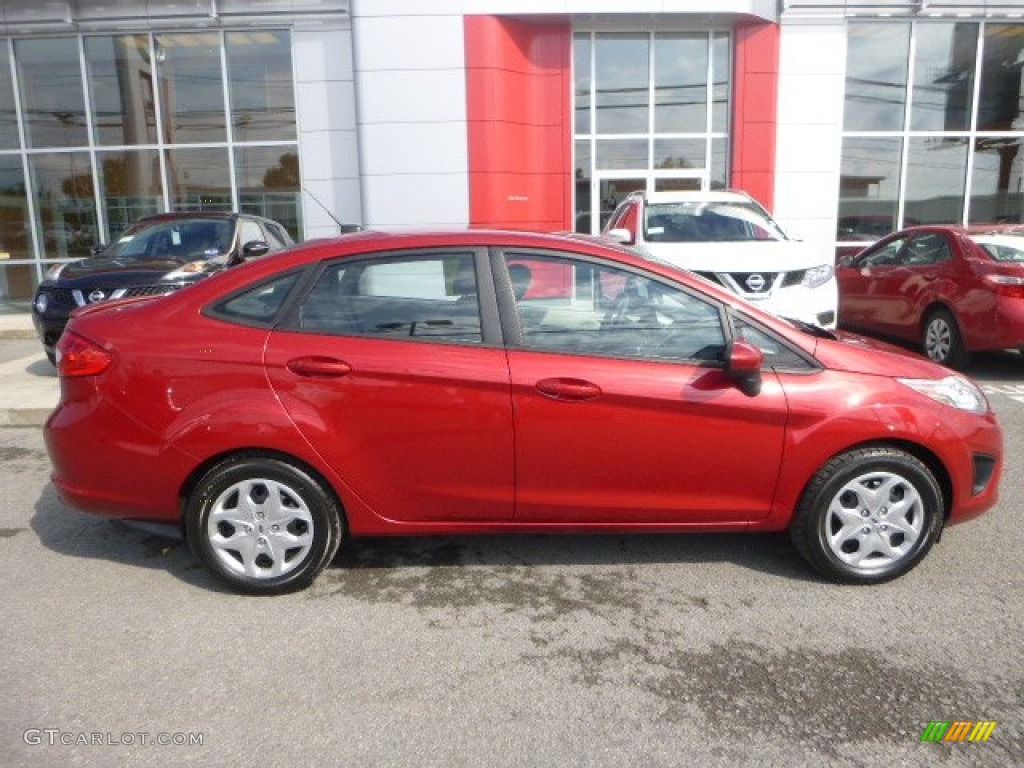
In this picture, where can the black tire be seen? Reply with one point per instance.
(942, 341)
(52, 357)
(868, 516)
(262, 525)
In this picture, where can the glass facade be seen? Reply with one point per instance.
(933, 126)
(651, 113)
(98, 130)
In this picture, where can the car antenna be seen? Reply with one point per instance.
(342, 228)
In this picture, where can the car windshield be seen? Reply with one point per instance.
(708, 222)
(179, 240)
(1002, 247)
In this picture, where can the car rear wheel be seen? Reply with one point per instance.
(942, 341)
(868, 516)
(263, 525)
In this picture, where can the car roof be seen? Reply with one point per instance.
(194, 215)
(175, 215)
(712, 196)
(996, 229)
(370, 241)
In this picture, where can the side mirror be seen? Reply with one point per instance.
(743, 363)
(97, 248)
(254, 249)
(623, 236)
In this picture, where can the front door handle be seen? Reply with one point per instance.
(568, 389)
(318, 367)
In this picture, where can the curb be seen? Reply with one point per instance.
(18, 334)
(24, 417)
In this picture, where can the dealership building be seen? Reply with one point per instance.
(847, 120)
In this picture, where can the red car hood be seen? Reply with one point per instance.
(859, 354)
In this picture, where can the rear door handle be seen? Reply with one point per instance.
(568, 389)
(317, 367)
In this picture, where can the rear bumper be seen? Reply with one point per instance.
(86, 477)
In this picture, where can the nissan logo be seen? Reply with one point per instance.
(754, 282)
(100, 296)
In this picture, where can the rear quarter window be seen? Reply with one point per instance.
(259, 305)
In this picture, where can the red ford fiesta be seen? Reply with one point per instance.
(477, 381)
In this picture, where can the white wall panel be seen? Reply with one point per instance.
(813, 48)
(410, 43)
(811, 99)
(812, 68)
(328, 146)
(766, 9)
(320, 55)
(326, 105)
(417, 200)
(370, 8)
(410, 85)
(411, 148)
(330, 155)
(806, 149)
(412, 96)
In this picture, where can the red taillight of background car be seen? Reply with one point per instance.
(77, 356)
(1007, 285)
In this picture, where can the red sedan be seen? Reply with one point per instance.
(478, 381)
(953, 290)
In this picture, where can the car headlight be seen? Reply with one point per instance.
(185, 270)
(816, 276)
(42, 302)
(954, 391)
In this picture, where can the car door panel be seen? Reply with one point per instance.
(643, 442)
(386, 373)
(420, 432)
(865, 286)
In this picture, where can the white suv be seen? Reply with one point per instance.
(728, 238)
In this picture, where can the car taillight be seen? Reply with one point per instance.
(77, 356)
(1007, 285)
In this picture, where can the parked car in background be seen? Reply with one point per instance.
(480, 381)
(155, 255)
(854, 233)
(728, 238)
(953, 290)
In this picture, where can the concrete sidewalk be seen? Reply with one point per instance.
(29, 388)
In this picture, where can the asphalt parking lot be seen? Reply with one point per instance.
(506, 651)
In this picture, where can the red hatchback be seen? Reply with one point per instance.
(953, 290)
(478, 381)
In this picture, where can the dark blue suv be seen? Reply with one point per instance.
(155, 255)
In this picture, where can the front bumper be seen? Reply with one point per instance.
(816, 306)
(49, 327)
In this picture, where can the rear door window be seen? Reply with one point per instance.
(427, 297)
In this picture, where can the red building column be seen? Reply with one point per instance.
(755, 110)
(518, 89)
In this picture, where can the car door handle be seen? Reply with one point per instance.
(568, 389)
(317, 367)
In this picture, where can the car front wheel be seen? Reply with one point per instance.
(868, 516)
(262, 525)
